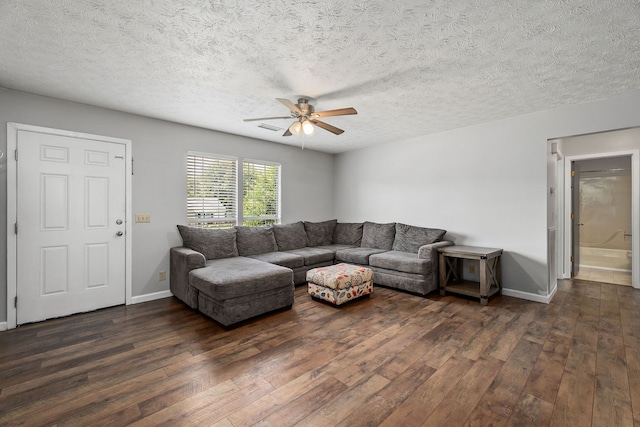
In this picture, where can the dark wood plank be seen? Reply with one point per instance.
(420, 404)
(502, 396)
(458, 404)
(531, 411)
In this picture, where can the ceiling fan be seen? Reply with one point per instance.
(306, 116)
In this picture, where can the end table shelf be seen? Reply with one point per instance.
(451, 273)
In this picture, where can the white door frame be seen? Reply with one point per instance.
(12, 198)
(635, 210)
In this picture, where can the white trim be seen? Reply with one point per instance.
(12, 143)
(151, 297)
(545, 299)
(3, 326)
(635, 209)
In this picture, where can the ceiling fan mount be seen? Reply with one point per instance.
(306, 117)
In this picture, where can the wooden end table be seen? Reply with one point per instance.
(451, 271)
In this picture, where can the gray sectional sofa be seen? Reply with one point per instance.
(235, 274)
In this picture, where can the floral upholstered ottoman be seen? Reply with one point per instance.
(340, 283)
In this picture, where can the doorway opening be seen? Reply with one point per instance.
(597, 237)
(601, 195)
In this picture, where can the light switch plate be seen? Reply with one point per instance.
(143, 218)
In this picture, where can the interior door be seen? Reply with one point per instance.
(575, 218)
(71, 207)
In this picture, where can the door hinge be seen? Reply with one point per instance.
(16, 228)
(572, 258)
(15, 302)
(572, 215)
(131, 166)
(573, 173)
(15, 154)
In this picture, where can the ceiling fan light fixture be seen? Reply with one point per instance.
(307, 127)
(295, 128)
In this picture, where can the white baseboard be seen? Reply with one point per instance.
(3, 326)
(545, 299)
(151, 297)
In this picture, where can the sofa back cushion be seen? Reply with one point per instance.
(348, 233)
(213, 244)
(409, 238)
(255, 240)
(378, 236)
(320, 233)
(290, 236)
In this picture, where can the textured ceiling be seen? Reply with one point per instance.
(409, 67)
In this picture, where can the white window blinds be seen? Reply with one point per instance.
(212, 191)
(261, 193)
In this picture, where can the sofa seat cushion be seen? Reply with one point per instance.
(281, 258)
(357, 255)
(401, 261)
(335, 248)
(228, 278)
(313, 255)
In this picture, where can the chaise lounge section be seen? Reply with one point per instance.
(235, 274)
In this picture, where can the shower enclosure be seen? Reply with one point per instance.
(605, 213)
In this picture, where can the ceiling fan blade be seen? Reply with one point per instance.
(287, 133)
(290, 105)
(327, 126)
(266, 118)
(337, 112)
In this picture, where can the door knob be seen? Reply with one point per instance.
(119, 233)
(119, 222)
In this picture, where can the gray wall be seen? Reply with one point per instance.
(159, 181)
(485, 184)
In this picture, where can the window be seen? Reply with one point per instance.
(212, 191)
(213, 185)
(260, 193)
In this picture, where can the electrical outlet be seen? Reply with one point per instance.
(162, 275)
(472, 268)
(143, 218)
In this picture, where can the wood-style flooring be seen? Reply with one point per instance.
(393, 359)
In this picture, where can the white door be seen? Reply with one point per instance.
(71, 207)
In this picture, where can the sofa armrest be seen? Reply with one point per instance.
(183, 260)
(431, 251)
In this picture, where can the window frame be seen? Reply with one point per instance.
(239, 218)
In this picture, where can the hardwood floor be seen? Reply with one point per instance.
(392, 359)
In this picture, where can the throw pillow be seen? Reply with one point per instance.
(290, 236)
(348, 233)
(255, 240)
(378, 236)
(409, 238)
(320, 233)
(213, 244)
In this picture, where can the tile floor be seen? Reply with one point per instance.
(604, 276)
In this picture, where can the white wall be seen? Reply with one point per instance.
(159, 181)
(485, 184)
